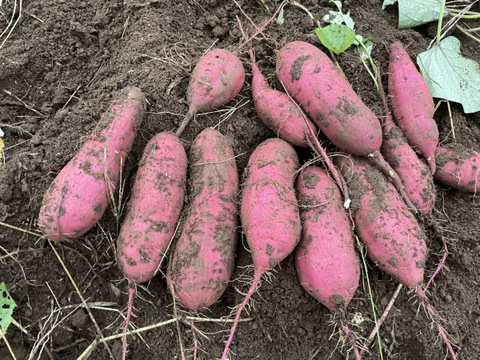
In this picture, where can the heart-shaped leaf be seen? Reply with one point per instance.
(451, 76)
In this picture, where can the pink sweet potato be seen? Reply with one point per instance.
(394, 239)
(458, 167)
(415, 175)
(412, 102)
(154, 208)
(203, 260)
(216, 79)
(269, 211)
(153, 211)
(80, 193)
(325, 258)
(278, 111)
(413, 172)
(312, 79)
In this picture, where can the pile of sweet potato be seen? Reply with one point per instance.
(282, 210)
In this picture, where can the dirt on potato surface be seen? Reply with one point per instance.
(62, 65)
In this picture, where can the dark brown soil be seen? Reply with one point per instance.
(65, 60)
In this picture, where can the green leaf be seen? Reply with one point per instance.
(412, 13)
(368, 43)
(336, 37)
(450, 76)
(6, 308)
(338, 17)
(388, 3)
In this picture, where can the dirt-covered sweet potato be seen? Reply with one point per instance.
(81, 192)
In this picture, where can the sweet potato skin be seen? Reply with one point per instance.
(413, 172)
(327, 265)
(216, 79)
(154, 208)
(412, 103)
(278, 111)
(203, 260)
(79, 195)
(269, 211)
(394, 239)
(458, 167)
(312, 79)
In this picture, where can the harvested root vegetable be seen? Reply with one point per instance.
(458, 167)
(153, 211)
(412, 102)
(394, 239)
(154, 208)
(415, 175)
(326, 261)
(203, 259)
(313, 80)
(80, 194)
(413, 172)
(216, 79)
(269, 211)
(278, 112)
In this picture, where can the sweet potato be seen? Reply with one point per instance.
(154, 208)
(415, 175)
(203, 260)
(394, 239)
(412, 102)
(153, 211)
(325, 258)
(269, 211)
(312, 79)
(458, 167)
(216, 79)
(278, 111)
(80, 193)
(413, 172)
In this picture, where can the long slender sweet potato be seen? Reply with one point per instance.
(153, 211)
(395, 241)
(412, 102)
(80, 193)
(154, 208)
(203, 260)
(458, 167)
(415, 175)
(278, 112)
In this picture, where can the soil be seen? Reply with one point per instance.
(62, 65)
